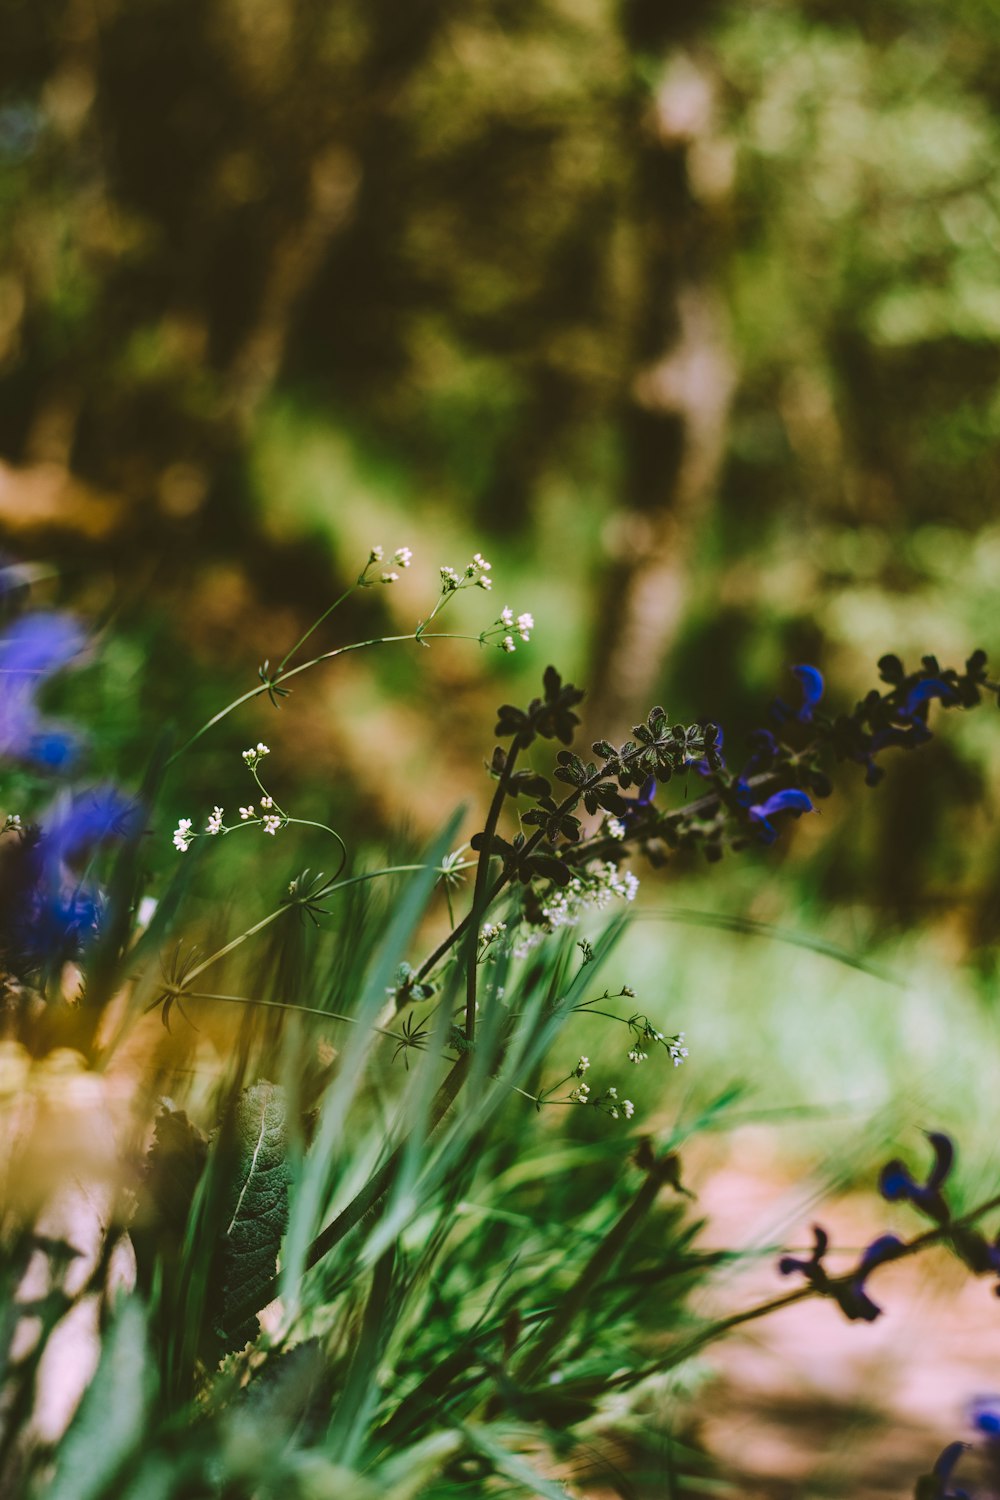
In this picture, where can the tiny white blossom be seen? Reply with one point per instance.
(375, 555)
(635, 1056)
(507, 644)
(614, 828)
(403, 556)
(390, 577)
(491, 930)
(525, 623)
(507, 617)
(272, 823)
(484, 582)
(246, 812)
(479, 563)
(13, 820)
(582, 1066)
(629, 1108)
(267, 801)
(214, 824)
(183, 835)
(613, 1112)
(613, 1093)
(263, 749)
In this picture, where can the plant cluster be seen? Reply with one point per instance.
(347, 1278)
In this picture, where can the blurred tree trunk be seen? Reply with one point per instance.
(675, 410)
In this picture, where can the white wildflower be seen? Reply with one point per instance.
(635, 1056)
(629, 1108)
(390, 577)
(507, 644)
(247, 812)
(614, 827)
(507, 617)
(525, 623)
(214, 824)
(267, 801)
(582, 1066)
(403, 556)
(375, 555)
(484, 582)
(183, 835)
(272, 823)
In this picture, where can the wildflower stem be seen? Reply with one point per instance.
(307, 1010)
(282, 676)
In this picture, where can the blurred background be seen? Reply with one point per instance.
(687, 317)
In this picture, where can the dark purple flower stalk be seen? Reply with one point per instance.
(897, 1185)
(848, 1292)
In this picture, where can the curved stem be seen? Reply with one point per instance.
(283, 676)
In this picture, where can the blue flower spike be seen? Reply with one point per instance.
(897, 1185)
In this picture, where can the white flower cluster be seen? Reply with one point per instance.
(270, 819)
(597, 886)
(512, 624)
(402, 557)
(609, 1101)
(12, 822)
(613, 827)
(676, 1048)
(492, 930)
(476, 573)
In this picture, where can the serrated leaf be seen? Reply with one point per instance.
(256, 1214)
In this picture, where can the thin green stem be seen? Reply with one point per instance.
(283, 676)
(317, 623)
(306, 1010)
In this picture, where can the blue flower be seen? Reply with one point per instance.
(49, 910)
(811, 691)
(32, 648)
(790, 800)
(896, 1184)
(985, 1416)
(638, 805)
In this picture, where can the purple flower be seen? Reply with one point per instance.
(32, 648)
(852, 1297)
(896, 1183)
(934, 1486)
(638, 805)
(790, 800)
(811, 691)
(848, 1292)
